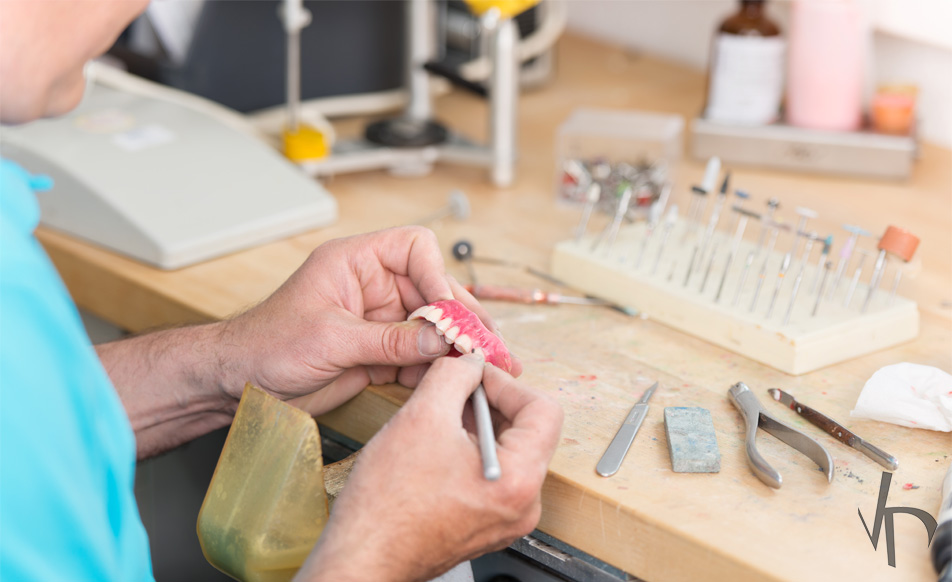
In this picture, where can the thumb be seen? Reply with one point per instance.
(404, 343)
(450, 382)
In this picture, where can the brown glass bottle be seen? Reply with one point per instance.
(750, 20)
(745, 77)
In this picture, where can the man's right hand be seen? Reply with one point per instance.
(417, 503)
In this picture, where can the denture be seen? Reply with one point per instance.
(461, 328)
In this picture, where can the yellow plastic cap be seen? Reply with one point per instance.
(304, 144)
(507, 8)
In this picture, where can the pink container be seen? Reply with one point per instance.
(827, 61)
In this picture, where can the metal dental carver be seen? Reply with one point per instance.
(896, 241)
(699, 197)
(796, 283)
(846, 254)
(745, 215)
(835, 429)
(669, 222)
(487, 438)
(755, 416)
(856, 275)
(819, 296)
(457, 206)
(827, 245)
(762, 275)
(611, 231)
(618, 448)
(592, 193)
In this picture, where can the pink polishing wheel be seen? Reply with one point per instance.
(899, 242)
(462, 328)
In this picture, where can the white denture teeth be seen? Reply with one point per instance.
(421, 312)
(450, 334)
(444, 324)
(434, 316)
(463, 344)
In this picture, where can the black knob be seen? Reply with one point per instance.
(463, 250)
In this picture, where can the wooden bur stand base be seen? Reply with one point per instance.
(805, 344)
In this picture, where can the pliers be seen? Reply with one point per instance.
(757, 417)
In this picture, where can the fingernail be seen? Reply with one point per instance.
(430, 343)
(475, 356)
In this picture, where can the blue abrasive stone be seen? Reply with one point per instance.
(691, 440)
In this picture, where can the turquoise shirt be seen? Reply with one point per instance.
(67, 450)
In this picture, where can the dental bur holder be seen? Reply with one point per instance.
(757, 417)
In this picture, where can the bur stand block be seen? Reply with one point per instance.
(804, 344)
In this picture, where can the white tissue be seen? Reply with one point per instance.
(910, 395)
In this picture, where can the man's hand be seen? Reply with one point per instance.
(417, 503)
(339, 323)
(335, 326)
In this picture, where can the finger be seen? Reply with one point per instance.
(449, 383)
(535, 418)
(404, 343)
(410, 376)
(414, 251)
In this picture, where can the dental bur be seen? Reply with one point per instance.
(898, 242)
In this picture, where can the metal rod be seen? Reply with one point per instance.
(827, 267)
(827, 245)
(856, 275)
(762, 275)
(592, 194)
(487, 438)
(876, 278)
(669, 222)
(799, 279)
(743, 277)
(784, 266)
(735, 246)
(846, 254)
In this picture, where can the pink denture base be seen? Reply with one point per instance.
(462, 328)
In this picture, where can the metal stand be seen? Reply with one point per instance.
(412, 143)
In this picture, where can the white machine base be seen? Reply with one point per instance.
(805, 344)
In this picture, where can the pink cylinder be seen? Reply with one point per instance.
(827, 60)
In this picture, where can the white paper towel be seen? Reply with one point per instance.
(910, 395)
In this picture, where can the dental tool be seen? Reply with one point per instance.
(827, 267)
(701, 247)
(774, 234)
(856, 275)
(895, 241)
(669, 222)
(457, 206)
(484, 431)
(827, 245)
(772, 205)
(846, 254)
(745, 215)
(699, 198)
(796, 283)
(592, 193)
(805, 215)
(784, 266)
(611, 231)
(612, 458)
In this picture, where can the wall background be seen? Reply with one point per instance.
(910, 41)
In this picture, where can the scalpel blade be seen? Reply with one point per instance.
(615, 454)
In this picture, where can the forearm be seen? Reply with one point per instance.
(175, 385)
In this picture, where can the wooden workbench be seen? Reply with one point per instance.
(658, 525)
